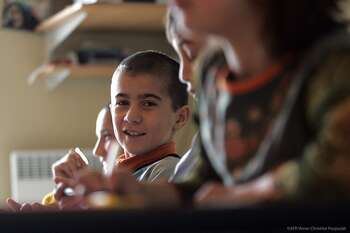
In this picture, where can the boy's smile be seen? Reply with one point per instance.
(142, 113)
(132, 133)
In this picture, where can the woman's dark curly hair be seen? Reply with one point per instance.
(294, 25)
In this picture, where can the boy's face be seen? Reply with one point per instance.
(105, 136)
(142, 114)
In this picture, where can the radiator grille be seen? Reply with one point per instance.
(31, 176)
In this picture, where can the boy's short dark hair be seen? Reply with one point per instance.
(158, 65)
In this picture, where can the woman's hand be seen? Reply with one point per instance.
(258, 191)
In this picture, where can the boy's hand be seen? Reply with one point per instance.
(69, 165)
(75, 202)
(87, 183)
(65, 202)
(122, 182)
(91, 181)
(84, 182)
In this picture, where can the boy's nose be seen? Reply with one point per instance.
(133, 115)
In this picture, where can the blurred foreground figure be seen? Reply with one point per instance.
(274, 104)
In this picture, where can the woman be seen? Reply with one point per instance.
(273, 119)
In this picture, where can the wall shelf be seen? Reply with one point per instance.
(55, 74)
(110, 17)
(88, 71)
(100, 17)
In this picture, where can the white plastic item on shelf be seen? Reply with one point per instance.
(85, 1)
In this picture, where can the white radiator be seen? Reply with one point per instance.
(31, 176)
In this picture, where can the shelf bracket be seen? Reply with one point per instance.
(58, 33)
(55, 79)
(53, 75)
(42, 70)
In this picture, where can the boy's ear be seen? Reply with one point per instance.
(183, 114)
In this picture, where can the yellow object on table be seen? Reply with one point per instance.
(106, 200)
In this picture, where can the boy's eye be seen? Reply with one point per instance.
(121, 103)
(147, 103)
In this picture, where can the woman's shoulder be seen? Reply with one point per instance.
(332, 47)
(329, 81)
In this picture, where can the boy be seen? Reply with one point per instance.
(148, 105)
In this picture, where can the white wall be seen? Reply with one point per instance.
(33, 118)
